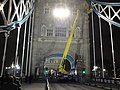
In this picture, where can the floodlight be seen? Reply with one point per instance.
(61, 12)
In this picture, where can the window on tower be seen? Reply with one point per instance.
(49, 32)
(60, 32)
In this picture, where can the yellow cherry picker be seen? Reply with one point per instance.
(62, 65)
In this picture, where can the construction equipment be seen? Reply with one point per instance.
(62, 63)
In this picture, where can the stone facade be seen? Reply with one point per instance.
(49, 40)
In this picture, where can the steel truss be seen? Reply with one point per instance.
(13, 14)
(18, 12)
(110, 12)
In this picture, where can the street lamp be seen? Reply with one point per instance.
(104, 70)
(12, 66)
(95, 68)
(17, 67)
(61, 12)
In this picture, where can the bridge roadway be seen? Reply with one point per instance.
(61, 86)
(33, 86)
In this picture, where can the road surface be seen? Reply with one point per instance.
(69, 86)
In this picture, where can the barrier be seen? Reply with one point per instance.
(47, 85)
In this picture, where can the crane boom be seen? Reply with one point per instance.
(61, 68)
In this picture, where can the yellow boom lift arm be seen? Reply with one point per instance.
(61, 67)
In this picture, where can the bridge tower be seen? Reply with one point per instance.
(51, 34)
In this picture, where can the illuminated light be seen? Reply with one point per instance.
(83, 71)
(104, 70)
(12, 66)
(17, 66)
(61, 12)
(95, 68)
(1, 6)
(6, 67)
(46, 70)
(75, 72)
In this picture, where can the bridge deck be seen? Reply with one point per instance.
(33, 86)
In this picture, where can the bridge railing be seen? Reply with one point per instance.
(106, 80)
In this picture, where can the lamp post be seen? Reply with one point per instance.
(95, 70)
(17, 70)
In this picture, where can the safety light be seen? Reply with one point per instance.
(84, 71)
(46, 71)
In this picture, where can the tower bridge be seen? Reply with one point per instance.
(30, 33)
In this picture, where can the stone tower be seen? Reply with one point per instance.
(51, 34)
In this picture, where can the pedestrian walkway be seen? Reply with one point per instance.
(104, 86)
(33, 86)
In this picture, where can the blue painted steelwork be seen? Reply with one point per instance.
(15, 24)
(94, 4)
(69, 58)
(106, 3)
